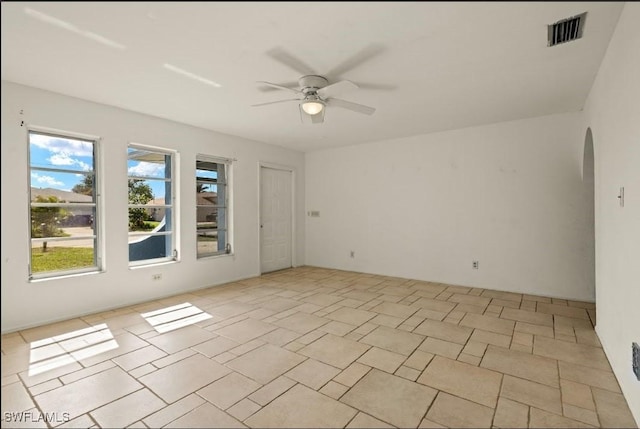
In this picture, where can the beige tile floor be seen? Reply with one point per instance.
(311, 347)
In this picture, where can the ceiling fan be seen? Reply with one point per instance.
(314, 92)
(315, 95)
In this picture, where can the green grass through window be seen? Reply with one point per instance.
(61, 258)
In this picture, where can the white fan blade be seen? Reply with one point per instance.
(360, 108)
(377, 86)
(275, 85)
(356, 60)
(317, 119)
(265, 88)
(337, 88)
(274, 102)
(291, 61)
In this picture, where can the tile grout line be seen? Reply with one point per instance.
(495, 410)
(339, 292)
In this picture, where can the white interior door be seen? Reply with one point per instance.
(275, 219)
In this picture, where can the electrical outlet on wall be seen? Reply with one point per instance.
(475, 265)
(353, 254)
(156, 277)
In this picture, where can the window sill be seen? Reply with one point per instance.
(221, 255)
(63, 276)
(153, 264)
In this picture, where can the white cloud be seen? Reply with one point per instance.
(147, 169)
(63, 158)
(46, 180)
(68, 147)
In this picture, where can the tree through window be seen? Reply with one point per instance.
(150, 205)
(63, 205)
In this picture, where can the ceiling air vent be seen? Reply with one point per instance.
(566, 30)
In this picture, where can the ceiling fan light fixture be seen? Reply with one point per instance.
(312, 105)
(315, 95)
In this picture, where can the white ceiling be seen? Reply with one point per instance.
(437, 66)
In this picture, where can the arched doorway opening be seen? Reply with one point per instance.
(588, 182)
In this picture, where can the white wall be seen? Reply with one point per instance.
(509, 195)
(27, 303)
(613, 114)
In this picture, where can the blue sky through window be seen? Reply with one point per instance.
(149, 165)
(77, 155)
(59, 152)
(207, 174)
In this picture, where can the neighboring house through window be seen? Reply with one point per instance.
(151, 205)
(212, 206)
(64, 214)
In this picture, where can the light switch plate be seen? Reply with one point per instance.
(621, 196)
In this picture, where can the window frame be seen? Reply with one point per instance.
(173, 232)
(226, 206)
(96, 204)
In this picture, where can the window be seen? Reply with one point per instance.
(151, 205)
(63, 205)
(212, 206)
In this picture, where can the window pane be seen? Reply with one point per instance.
(207, 193)
(208, 175)
(212, 171)
(150, 186)
(211, 218)
(152, 219)
(73, 221)
(150, 192)
(53, 187)
(60, 152)
(145, 163)
(207, 242)
(150, 247)
(62, 171)
(211, 211)
(62, 255)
